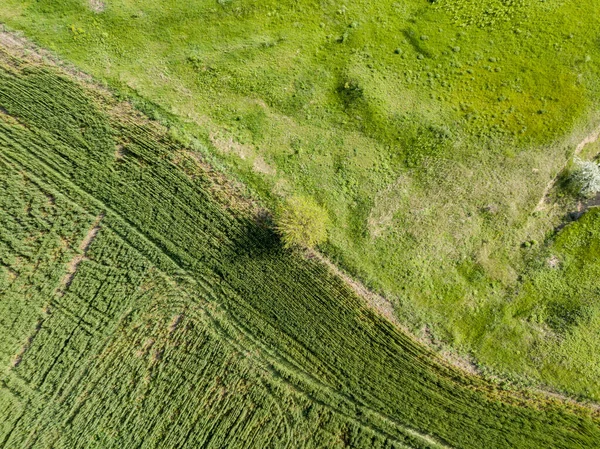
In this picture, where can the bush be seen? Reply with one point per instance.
(301, 223)
(586, 177)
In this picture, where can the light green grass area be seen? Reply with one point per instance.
(428, 130)
(560, 296)
(145, 304)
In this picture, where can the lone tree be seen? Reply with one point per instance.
(586, 177)
(301, 223)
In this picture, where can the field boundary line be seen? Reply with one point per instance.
(381, 306)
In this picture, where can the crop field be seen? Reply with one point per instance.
(146, 304)
(428, 130)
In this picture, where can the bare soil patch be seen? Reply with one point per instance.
(97, 6)
(553, 262)
(227, 144)
(175, 323)
(261, 166)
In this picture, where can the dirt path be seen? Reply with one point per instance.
(590, 138)
(382, 305)
(385, 308)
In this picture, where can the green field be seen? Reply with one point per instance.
(145, 303)
(428, 130)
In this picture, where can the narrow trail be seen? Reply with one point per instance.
(377, 302)
(83, 248)
(385, 308)
(590, 138)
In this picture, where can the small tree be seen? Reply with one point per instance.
(586, 177)
(301, 223)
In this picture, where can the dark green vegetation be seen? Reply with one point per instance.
(428, 130)
(143, 305)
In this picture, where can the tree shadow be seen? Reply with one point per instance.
(256, 237)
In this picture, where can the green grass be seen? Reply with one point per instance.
(559, 296)
(185, 323)
(428, 130)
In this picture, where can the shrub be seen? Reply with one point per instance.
(586, 177)
(301, 223)
(350, 92)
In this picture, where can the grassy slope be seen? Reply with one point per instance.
(186, 324)
(427, 130)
